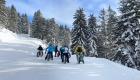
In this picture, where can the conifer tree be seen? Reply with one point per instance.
(51, 31)
(61, 35)
(57, 42)
(66, 36)
(79, 30)
(13, 19)
(25, 23)
(19, 25)
(127, 34)
(102, 35)
(105, 40)
(111, 23)
(36, 27)
(92, 47)
(2, 5)
(43, 24)
(3, 15)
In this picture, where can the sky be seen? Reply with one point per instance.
(61, 10)
(18, 61)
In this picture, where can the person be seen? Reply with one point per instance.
(66, 53)
(79, 50)
(56, 51)
(50, 50)
(61, 52)
(40, 50)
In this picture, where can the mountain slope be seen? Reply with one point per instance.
(18, 61)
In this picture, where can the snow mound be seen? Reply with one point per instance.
(10, 37)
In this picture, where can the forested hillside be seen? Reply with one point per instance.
(109, 35)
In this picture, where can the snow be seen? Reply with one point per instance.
(18, 61)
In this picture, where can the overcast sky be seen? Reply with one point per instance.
(61, 10)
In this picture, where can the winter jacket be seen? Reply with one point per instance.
(50, 48)
(56, 48)
(77, 49)
(62, 49)
(39, 48)
(66, 49)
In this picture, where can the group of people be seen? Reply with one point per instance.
(63, 51)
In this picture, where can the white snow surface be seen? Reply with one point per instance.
(18, 61)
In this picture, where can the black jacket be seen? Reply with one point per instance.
(56, 48)
(39, 48)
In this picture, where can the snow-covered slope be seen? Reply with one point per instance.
(18, 61)
(10, 37)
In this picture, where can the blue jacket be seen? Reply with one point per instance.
(50, 48)
(62, 49)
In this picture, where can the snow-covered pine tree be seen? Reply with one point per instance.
(111, 23)
(51, 31)
(13, 19)
(79, 31)
(19, 25)
(56, 34)
(105, 40)
(25, 23)
(2, 6)
(36, 27)
(47, 34)
(66, 36)
(43, 23)
(102, 36)
(3, 15)
(61, 35)
(127, 34)
(92, 47)
(137, 32)
(56, 31)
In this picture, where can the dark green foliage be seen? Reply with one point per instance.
(3, 15)
(127, 33)
(25, 24)
(91, 37)
(49, 31)
(12, 19)
(79, 30)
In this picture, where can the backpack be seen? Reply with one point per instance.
(66, 50)
(79, 49)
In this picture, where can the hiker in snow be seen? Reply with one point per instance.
(50, 50)
(79, 50)
(40, 51)
(56, 51)
(66, 53)
(61, 52)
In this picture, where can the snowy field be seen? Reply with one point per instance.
(18, 61)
